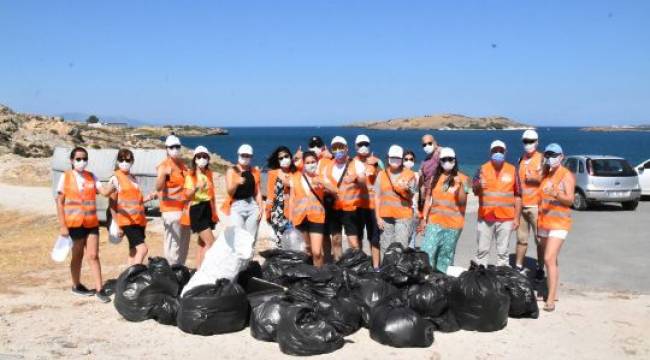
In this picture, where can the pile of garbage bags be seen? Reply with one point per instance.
(310, 311)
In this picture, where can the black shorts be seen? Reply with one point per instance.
(135, 235)
(201, 217)
(311, 227)
(368, 221)
(339, 219)
(81, 233)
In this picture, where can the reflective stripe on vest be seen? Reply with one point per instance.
(445, 210)
(498, 198)
(553, 215)
(79, 206)
(392, 205)
(304, 205)
(130, 205)
(348, 195)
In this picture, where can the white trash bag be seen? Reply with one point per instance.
(455, 271)
(229, 255)
(292, 240)
(61, 248)
(113, 232)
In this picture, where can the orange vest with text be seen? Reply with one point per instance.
(130, 205)
(498, 198)
(553, 215)
(185, 217)
(304, 205)
(234, 176)
(172, 197)
(530, 194)
(445, 210)
(391, 204)
(79, 206)
(348, 194)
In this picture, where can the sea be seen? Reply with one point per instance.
(471, 146)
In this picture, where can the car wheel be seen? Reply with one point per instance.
(630, 205)
(580, 201)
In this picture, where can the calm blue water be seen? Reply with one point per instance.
(471, 146)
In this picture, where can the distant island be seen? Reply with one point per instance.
(444, 122)
(617, 128)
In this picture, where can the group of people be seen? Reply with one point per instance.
(327, 191)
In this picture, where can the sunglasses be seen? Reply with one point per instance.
(448, 159)
(363, 143)
(246, 156)
(284, 157)
(427, 144)
(174, 147)
(551, 155)
(338, 147)
(409, 159)
(529, 141)
(202, 156)
(125, 160)
(81, 159)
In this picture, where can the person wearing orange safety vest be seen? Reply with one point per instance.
(530, 174)
(281, 168)
(444, 211)
(307, 194)
(394, 190)
(127, 206)
(77, 215)
(243, 204)
(348, 177)
(200, 213)
(169, 184)
(497, 186)
(554, 221)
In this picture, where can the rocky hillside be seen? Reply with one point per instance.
(444, 122)
(29, 135)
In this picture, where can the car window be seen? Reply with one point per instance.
(611, 168)
(571, 164)
(581, 167)
(647, 165)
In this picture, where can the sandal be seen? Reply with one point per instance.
(549, 308)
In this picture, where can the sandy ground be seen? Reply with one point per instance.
(39, 318)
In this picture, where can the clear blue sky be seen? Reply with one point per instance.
(328, 62)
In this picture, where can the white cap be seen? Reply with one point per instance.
(447, 152)
(245, 149)
(362, 138)
(497, 143)
(201, 150)
(172, 140)
(530, 134)
(395, 151)
(339, 140)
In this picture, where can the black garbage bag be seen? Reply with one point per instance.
(445, 320)
(523, 303)
(213, 309)
(427, 299)
(304, 332)
(143, 293)
(479, 301)
(367, 290)
(277, 261)
(109, 286)
(328, 281)
(355, 260)
(183, 275)
(244, 278)
(402, 266)
(393, 323)
(344, 314)
(265, 314)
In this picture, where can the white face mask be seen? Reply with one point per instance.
(244, 161)
(448, 165)
(80, 165)
(124, 166)
(202, 163)
(395, 163)
(529, 148)
(174, 153)
(363, 150)
(285, 163)
(553, 162)
(311, 168)
(409, 164)
(316, 150)
(428, 149)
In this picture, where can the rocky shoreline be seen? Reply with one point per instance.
(448, 122)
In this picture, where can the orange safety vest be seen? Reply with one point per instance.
(185, 217)
(348, 194)
(553, 215)
(172, 196)
(270, 192)
(498, 198)
(225, 207)
(445, 210)
(367, 194)
(530, 194)
(304, 205)
(392, 204)
(79, 206)
(130, 205)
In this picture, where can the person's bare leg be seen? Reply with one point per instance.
(76, 260)
(522, 235)
(353, 241)
(553, 246)
(305, 236)
(132, 253)
(337, 246)
(376, 255)
(92, 256)
(316, 240)
(141, 252)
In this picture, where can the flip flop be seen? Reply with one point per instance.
(549, 308)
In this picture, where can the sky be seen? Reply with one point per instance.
(320, 63)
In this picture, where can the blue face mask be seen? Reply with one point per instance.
(498, 157)
(340, 154)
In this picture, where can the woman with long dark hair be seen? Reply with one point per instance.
(200, 214)
(444, 211)
(280, 170)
